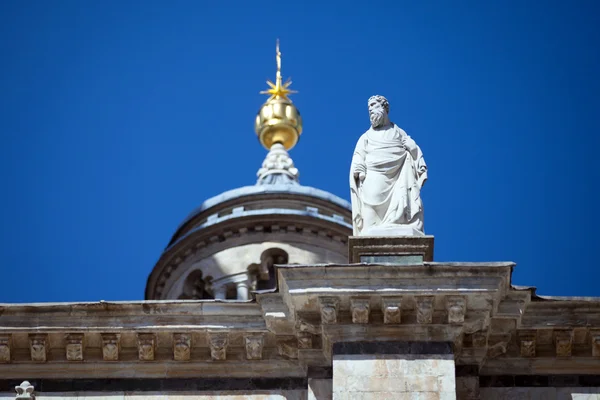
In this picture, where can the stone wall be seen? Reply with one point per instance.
(545, 393)
(360, 376)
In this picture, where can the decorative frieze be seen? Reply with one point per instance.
(110, 347)
(456, 307)
(74, 346)
(563, 340)
(424, 309)
(254, 346)
(392, 310)
(182, 346)
(5, 344)
(329, 310)
(38, 347)
(527, 343)
(360, 310)
(25, 390)
(304, 340)
(146, 346)
(218, 342)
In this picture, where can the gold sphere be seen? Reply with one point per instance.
(278, 121)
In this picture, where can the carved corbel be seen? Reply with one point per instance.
(218, 342)
(5, 345)
(527, 343)
(182, 346)
(563, 340)
(25, 391)
(305, 340)
(38, 347)
(424, 309)
(254, 346)
(288, 347)
(110, 346)
(457, 308)
(146, 346)
(329, 310)
(360, 310)
(498, 344)
(595, 336)
(74, 346)
(392, 309)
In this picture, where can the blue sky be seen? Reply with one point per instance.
(118, 118)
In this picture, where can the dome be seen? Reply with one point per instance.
(227, 248)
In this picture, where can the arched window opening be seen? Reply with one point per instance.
(195, 287)
(263, 274)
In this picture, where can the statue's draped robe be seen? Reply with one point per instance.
(390, 194)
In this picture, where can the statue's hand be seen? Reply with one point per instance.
(404, 142)
(360, 175)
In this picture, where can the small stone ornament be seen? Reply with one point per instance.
(25, 391)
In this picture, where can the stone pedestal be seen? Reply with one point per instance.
(390, 249)
(393, 370)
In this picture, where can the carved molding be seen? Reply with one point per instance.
(527, 343)
(110, 346)
(38, 347)
(360, 310)
(392, 310)
(182, 346)
(457, 308)
(563, 340)
(254, 346)
(25, 390)
(5, 344)
(146, 346)
(424, 309)
(218, 342)
(74, 346)
(329, 310)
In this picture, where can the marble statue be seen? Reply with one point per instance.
(386, 177)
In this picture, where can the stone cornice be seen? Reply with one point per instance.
(491, 325)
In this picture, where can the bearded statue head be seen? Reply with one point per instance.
(379, 109)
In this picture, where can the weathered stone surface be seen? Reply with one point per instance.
(424, 309)
(146, 344)
(110, 347)
(563, 340)
(38, 346)
(360, 310)
(5, 344)
(393, 376)
(254, 346)
(182, 346)
(218, 345)
(361, 246)
(456, 307)
(74, 347)
(527, 340)
(392, 309)
(329, 310)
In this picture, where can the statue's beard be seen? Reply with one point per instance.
(377, 119)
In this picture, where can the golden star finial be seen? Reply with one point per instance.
(278, 90)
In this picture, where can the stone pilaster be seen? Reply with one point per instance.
(393, 370)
